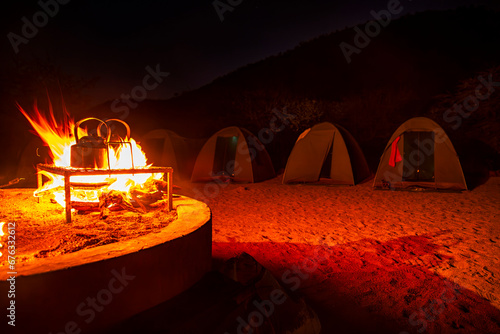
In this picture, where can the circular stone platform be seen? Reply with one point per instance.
(94, 288)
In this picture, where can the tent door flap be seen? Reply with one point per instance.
(418, 156)
(224, 157)
(327, 163)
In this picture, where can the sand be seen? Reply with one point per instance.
(41, 230)
(370, 260)
(367, 261)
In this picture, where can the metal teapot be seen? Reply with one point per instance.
(114, 137)
(90, 151)
(114, 140)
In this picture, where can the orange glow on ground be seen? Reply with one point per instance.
(369, 259)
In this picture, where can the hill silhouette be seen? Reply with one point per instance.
(403, 72)
(398, 75)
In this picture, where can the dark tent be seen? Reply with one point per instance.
(420, 153)
(165, 148)
(234, 153)
(327, 151)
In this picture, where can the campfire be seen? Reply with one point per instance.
(99, 168)
(124, 226)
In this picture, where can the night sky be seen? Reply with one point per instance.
(113, 41)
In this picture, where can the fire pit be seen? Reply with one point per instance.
(57, 291)
(104, 281)
(67, 173)
(92, 171)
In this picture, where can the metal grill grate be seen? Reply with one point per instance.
(67, 172)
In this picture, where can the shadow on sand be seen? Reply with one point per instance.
(370, 286)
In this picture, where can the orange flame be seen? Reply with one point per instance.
(59, 138)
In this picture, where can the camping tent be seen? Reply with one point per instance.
(165, 148)
(329, 151)
(236, 153)
(420, 154)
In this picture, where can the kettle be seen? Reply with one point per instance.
(90, 151)
(114, 140)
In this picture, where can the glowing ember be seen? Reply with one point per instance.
(58, 136)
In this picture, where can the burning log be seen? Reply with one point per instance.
(140, 198)
(114, 198)
(138, 201)
(149, 192)
(49, 191)
(150, 197)
(161, 185)
(84, 207)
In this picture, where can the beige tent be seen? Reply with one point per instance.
(167, 149)
(420, 154)
(327, 151)
(233, 153)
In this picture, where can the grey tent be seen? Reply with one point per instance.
(420, 154)
(234, 153)
(167, 149)
(327, 151)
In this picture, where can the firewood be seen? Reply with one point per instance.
(12, 182)
(138, 201)
(49, 191)
(85, 206)
(161, 185)
(160, 204)
(114, 197)
(147, 196)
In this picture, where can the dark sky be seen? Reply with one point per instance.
(115, 40)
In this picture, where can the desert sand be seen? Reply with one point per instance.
(366, 260)
(369, 261)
